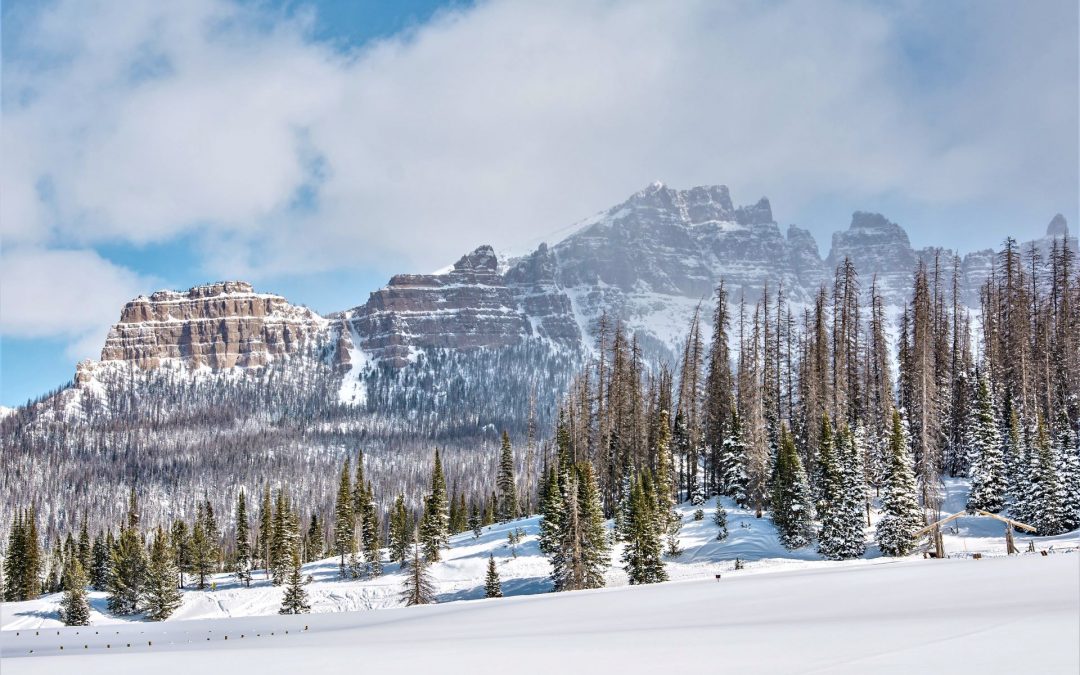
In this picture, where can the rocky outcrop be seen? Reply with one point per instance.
(468, 307)
(218, 325)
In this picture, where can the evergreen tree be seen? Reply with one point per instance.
(181, 546)
(266, 530)
(642, 553)
(399, 531)
(243, 541)
(988, 474)
(85, 551)
(791, 503)
(720, 518)
(551, 511)
(435, 525)
(902, 516)
(101, 565)
(734, 481)
(582, 551)
(419, 588)
(492, 585)
(127, 578)
(842, 495)
(1046, 509)
(202, 550)
(314, 545)
(295, 599)
(508, 500)
(1068, 461)
(74, 607)
(160, 596)
(344, 522)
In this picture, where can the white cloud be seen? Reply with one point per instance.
(70, 293)
(136, 122)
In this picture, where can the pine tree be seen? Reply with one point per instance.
(988, 475)
(508, 501)
(1067, 452)
(419, 588)
(842, 495)
(85, 552)
(128, 576)
(202, 550)
(642, 553)
(1046, 509)
(551, 511)
(101, 565)
(314, 545)
(399, 531)
(435, 525)
(295, 599)
(181, 546)
(735, 481)
(160, 596)
(74, 607)
(492, 585)
(902, 517)
(582, 552)
(344, 521)
(243, 541)
(720, 518)
(791, 503)
(266, 530)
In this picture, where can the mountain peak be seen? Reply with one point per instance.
(1058, 227)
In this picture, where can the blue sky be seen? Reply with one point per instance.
(316, 148)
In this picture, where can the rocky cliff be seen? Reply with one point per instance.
(219, 325)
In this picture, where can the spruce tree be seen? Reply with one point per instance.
(720, 518)
(243, 541)
(85, 552)
(181, 546)
(74, 607)
(266, 530)
(842, 494)
(314, 545)
(202, 555)
(160, 596)
(399, 531)
(295, 599)
(582, 552)
(435, 525)
(508, 500)
(1046, 508)
(101, 565)
(734, 480)
(419, 588)
(902, 516)
(988, 474)
(642, 552)
(127, 578)
(492, 585)
(791, 503)
(1067, 454)
(344, 522)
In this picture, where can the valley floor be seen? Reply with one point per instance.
(1019, 614)
(784, 611)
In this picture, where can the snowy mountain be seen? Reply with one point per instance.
(228, 381)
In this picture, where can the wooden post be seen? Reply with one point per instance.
(939, 542)
(1010, 545)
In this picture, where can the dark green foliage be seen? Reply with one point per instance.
(400, 527)
(492, 584)
(243, 541)
(988, 474)
(127, 578)
(161, 597)
(22, 561)
(508, 508)
(902, 516)
(435, 525)
(419, 588)
(344, 520)
(295, 600)
(74, 607)
(791, 503)
(643, 534)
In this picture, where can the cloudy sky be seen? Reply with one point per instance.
(314, 148)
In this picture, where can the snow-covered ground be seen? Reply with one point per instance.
(1017, 615)
(524, 571)
(793, 596)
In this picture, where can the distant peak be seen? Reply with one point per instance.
(758, 214)
(483, 258)
(1058, 227)
(865, 220)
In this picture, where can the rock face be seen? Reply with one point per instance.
(471, 306)
(218, 325)
(649, 262)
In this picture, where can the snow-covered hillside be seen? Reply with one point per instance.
(524, 570)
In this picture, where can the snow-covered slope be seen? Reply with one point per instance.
(1018, 615)
(524, 571)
